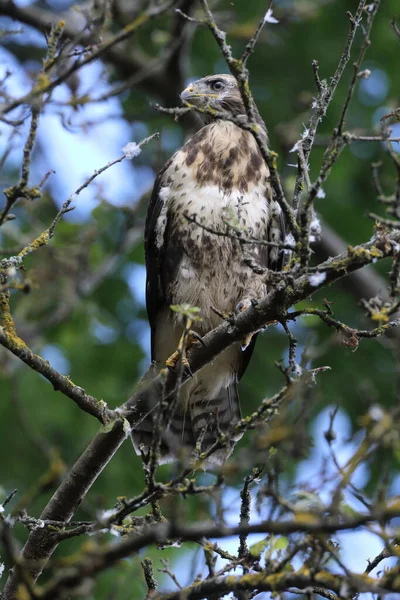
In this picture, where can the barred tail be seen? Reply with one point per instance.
(194, 426)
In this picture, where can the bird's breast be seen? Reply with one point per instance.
(204, 222)
(200, 209)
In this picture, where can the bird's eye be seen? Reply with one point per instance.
(217, 85)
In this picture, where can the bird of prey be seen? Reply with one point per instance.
(216, 180)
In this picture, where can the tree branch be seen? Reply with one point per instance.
(62, 384)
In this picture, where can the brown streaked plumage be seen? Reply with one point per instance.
(218, 176)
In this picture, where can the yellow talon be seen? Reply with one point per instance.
(173, 360)
(188, 339)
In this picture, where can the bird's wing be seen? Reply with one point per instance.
(155, 243)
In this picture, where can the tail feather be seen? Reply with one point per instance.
(212, 416)
(195, 424)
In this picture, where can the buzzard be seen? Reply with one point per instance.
(218, 178)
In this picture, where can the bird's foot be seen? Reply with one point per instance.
(173, 360)
(241, 307)
(189, 338)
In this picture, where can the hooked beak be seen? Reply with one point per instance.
(187, 93)
(190, 93)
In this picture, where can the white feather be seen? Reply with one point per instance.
(162, 219)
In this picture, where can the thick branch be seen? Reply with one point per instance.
(264, 582)
(60, 383)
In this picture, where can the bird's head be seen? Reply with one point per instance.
(218, 92)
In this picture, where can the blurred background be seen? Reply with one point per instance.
(83, 307)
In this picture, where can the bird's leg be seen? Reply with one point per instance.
(241, 307)
(188, 339)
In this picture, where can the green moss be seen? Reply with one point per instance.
(365, 253)
(8, 321)
(42, 84)
(41, 240)
(274, 156)
(136, 23)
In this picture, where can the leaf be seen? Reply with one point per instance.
(191, 312)
(258, 548)
(270, 543)
(280, 543)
